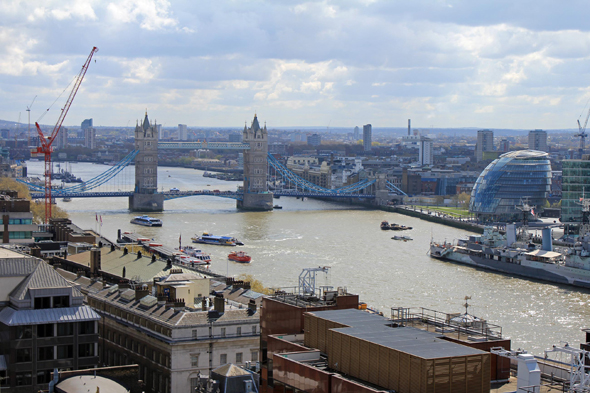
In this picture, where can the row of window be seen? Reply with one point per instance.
(223, 358)
(18, 221)
(24, 355)
(138, 348)
(50, 330)
(52, 302)
(19, 234)
(223, 332)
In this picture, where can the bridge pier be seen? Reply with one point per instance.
(256, 195)
(145, 197)
(146, 202)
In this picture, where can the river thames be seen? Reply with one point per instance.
(384, 272)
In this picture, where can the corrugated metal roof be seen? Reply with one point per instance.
(11, 317)
(42, 276)
(18, 267)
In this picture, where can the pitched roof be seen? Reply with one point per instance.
(230, 370)
(41, 276)
(11, 317)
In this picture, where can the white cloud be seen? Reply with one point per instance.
(153, 14)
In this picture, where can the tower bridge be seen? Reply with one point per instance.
(253, 195)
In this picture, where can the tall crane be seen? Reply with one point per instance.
(29, 130)
(46, 141)
(582, 134)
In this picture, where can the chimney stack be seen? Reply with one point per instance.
(219, 303)
(95, 266)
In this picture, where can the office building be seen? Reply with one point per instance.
(314, 140)
(16, 218)
(485, 142)
(235, 137)
(508, 181)
(356, 133)
(90, 137)
(425, 151)
(182, 132)
(86, 124)
(538, 140)
(43, 324)
(575, 185)
(367, 135)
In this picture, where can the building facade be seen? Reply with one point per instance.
(505, 145)
(16, 219)
(182, 132)
(367, 137)
(356, 133)
(485, 142)
(43, 324)
(538, 140)
(515, 177)
(62, 138)
(314, 140)
(425, 151)
(86, 124)
(90, 138)
(575, 185)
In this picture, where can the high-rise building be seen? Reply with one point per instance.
(356, 133)
(504, 145)
(62, 138)
(314, 140)
(86, 124)
(425, 151)
(182, 132)
(575, 185)
(538, 140)
(485, 142)
(90, 137)
(367, 135)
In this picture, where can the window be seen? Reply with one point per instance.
(239, 331)
(222, 332)
(195, 360)
(23, 379)
(61, 301)
(239, 357)
(254, 356)
(195, 334)
(44, 376)
(87, 327)
(23, 355)
(85, 350)
(20, 235)
(65, 351)
(45, 330)
(25, 331)
(254, 329)
(42, 302)
(66, 329)
(45, 353)
(223, 359)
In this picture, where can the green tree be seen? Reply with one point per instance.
(255, 285)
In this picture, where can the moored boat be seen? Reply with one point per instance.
(385, 226)
(147, 221)
(239, 256)
(404, 238)
(196, 253)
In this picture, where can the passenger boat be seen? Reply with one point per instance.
(385, 226)
(207, 238)
(67, 199)
(196, 253)
(239, 256)
(147, 221)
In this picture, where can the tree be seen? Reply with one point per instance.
(464, 199)
(255, 285)
(37, 207)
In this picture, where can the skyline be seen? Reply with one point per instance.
(444, 64)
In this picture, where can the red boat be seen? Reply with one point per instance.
(239, 256)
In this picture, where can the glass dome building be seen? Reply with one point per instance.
(516, 175)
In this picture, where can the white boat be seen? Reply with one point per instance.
(147, 221)
(196, 253)
(404, 238)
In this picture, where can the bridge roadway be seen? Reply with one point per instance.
(183, 194)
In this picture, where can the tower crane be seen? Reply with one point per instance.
(29, 129)
(582, 134)
(46, 141)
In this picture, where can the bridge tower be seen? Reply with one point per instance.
(144, 196)
(256, 194)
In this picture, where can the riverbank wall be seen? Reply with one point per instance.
(468, 226)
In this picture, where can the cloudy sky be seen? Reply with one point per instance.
(493, 64)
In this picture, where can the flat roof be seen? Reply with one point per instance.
(7, 253)
(376, 329)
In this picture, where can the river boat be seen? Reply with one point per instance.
(277, 207)
(208, 238)
(67, 199)
(147, 221)
(197, 254)
(514, 255)
(403, 237)
(239, 256)
(396, 227)
(385, 226)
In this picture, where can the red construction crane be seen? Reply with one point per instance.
(47, 141)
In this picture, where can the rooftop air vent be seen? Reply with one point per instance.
(113, 289)
(148, 301)
(128, 295)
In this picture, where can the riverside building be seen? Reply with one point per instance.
(485, 142)
(508, 181)
(575, 185)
